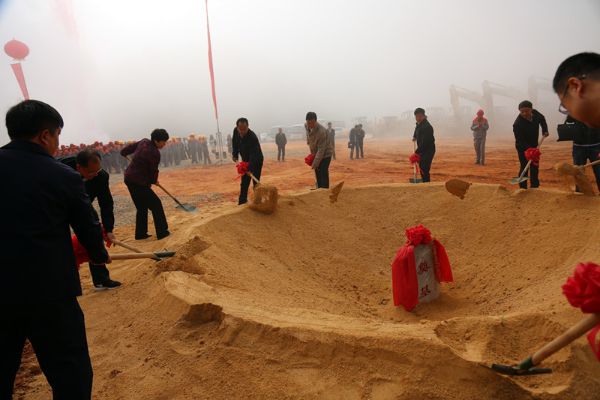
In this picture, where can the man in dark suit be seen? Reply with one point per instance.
(40, 285)
(527, 131)
(425, 143)
(246, 144)
(96, 181)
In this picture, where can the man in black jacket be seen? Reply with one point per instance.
(96, 181)
(527, 131)
(425, 143)
(245, 143)
(40, 281)
(586, 145)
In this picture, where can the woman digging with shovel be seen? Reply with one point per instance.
(141, 173)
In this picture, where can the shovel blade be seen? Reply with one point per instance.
(517, 180)
(415, 180)
(186, 207)
(514, 371)
(164, 254)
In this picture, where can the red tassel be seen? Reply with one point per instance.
(582, 290)
(418, 235)
(534, 155)
(242, 167)
(443, 270)
(309, 159)
(81, 255)
(595, 341)
(405, 286)
(414, 158)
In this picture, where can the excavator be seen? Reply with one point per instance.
(485, 100)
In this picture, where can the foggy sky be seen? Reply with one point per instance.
(116, 69)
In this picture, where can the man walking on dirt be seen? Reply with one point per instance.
(40, 280)
(352, 142)
(280, 141)
(527, 130)
(360, 138)
(331, 137)
(425, 143)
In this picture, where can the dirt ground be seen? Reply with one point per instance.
(297, 304)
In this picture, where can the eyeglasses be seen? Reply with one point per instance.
(561, 108)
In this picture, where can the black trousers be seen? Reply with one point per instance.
(99, 273)
(581, 154)
(322, 173)
(359, 149)
(425, 164)
(245, 184)
(56, 330)
(533, 172)
(280, 153)
(145, 199)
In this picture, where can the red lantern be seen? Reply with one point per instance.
(15, 49)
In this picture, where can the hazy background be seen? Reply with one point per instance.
(116, 69)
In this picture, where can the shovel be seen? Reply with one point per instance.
(135, 256)
(522, 177)
(128, 247)
(414, 179)
(527, 366)
(577, 173)
(183, 206)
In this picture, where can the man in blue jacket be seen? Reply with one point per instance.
(40, 280)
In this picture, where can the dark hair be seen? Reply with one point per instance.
(159, 135)
(241, 120)
(576, 66)
(84, 157)
(525, 104)
(419, 110)
(311, 116)
(30, 117)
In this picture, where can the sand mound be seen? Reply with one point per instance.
(297, 304)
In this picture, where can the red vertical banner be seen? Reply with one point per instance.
(210, 65)
(18, 70)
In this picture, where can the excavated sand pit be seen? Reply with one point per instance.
(308, 288)
(298, 304)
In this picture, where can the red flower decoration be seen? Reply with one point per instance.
(582, 290)
(414, 158)
(309, 159)
(418, 235)
(533, 154)
(242, 167)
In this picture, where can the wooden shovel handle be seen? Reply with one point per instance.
(570, 335)
(132, 256)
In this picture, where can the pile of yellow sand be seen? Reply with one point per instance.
(297, 304)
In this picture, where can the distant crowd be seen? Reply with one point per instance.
(196, 148)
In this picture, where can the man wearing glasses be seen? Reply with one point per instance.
(96, 180)
(527, 129)
(577, 84)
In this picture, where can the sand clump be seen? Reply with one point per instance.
(302, 307)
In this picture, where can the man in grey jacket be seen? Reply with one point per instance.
(321, 147)
(480, 127)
